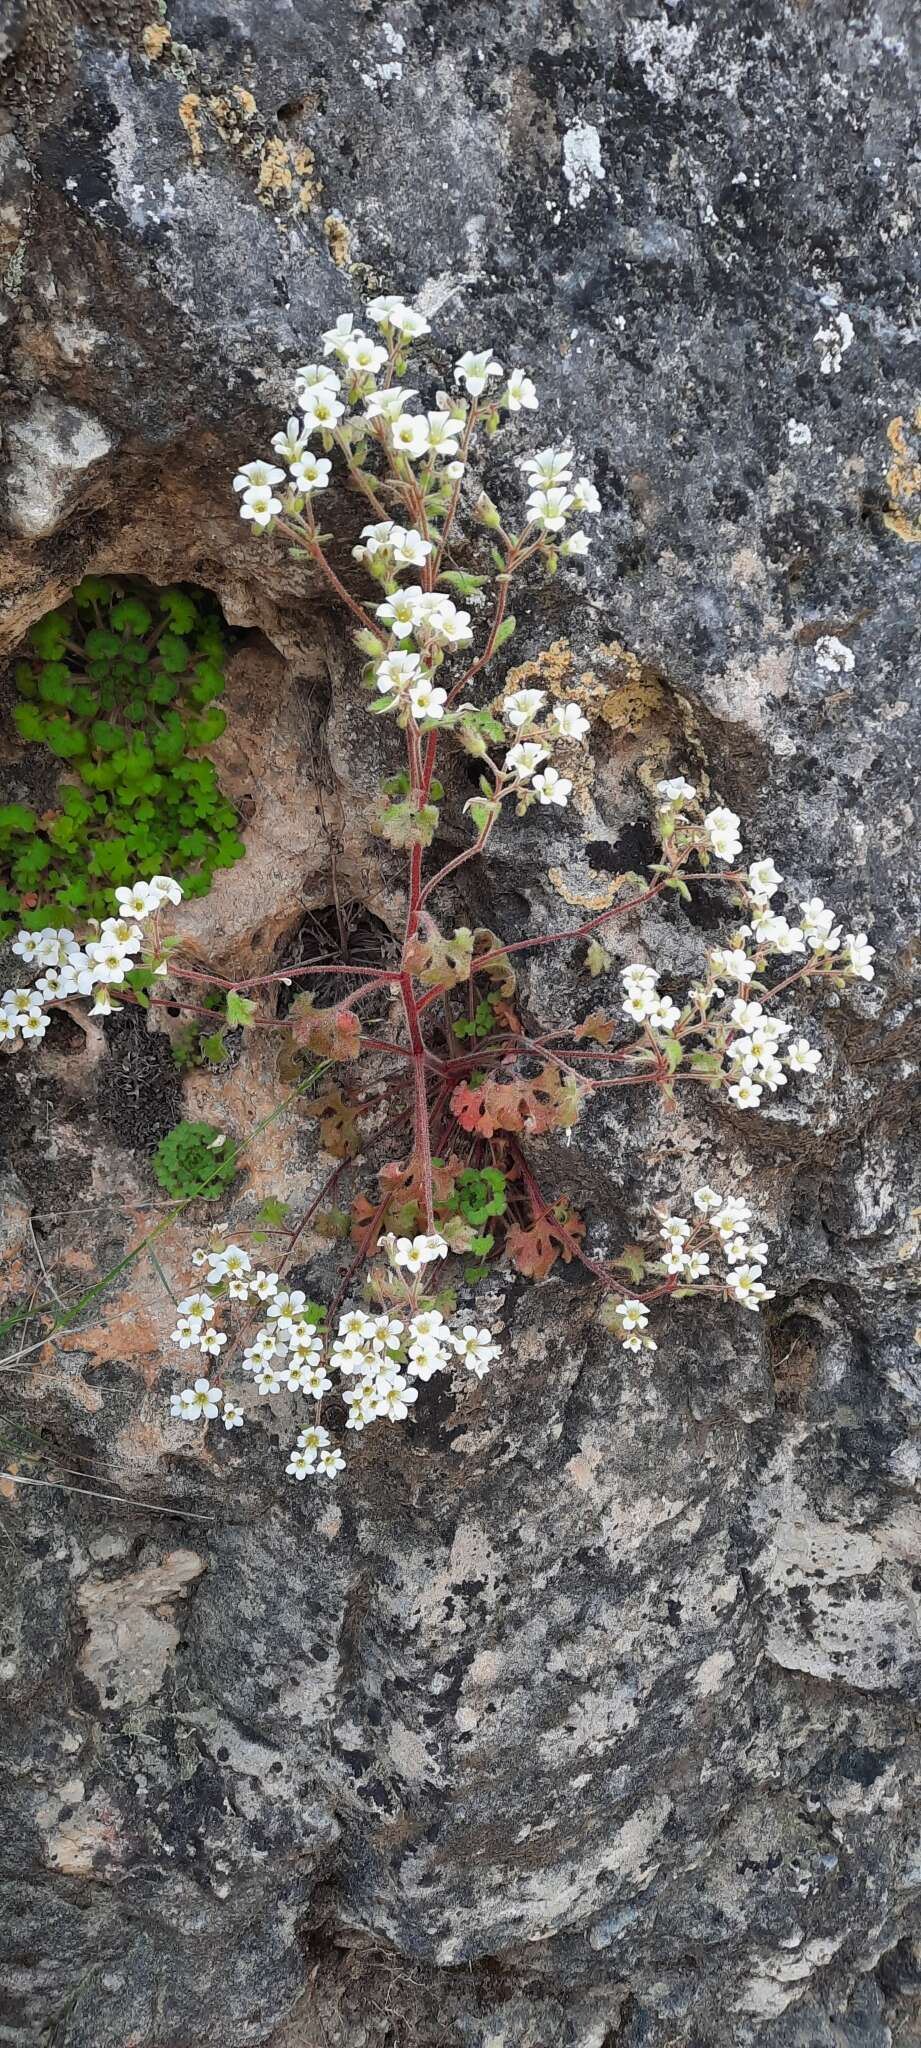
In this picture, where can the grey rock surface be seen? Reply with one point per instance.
(588, 1713)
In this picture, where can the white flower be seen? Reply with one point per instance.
(722, 827)
(577, 543)
(103, 1005)
(444, 431)
(285, 1307)
(330, 1462)
(475, 1349)
(833, 656)
(264, 1285)
(408, 323)
(522, 707)
(310, 375)
(299, 1465)
(200, 1399)
(472, 370)
(409, 547)
(520, 393)
(551, 788)
(313, 1439)
(550, 466)
(187, 1332)
(363, 356)
(409, 435)
(388, 404)
(260, 506)
(548, 508)
(771, 1074)
(632, 1315)
(802, 1058)
(636, 975)
(291, 443)
(212, 1342)
(398, 672)
(819, 928)
(55, 984)
(141, 900)
(763, 878)
(639, 1001)
(199, 1305)
(745, 1093)
(269, 1380)
(168, 890)
(385, 309)
(335, 338)
(664, 1014)
(311, 472)
(706, 1200)
(233, 1415)
(229, 1264)
(524, 757)
(675, 1227)
(257, 476)
(745, 1286)
(8, 1028)
(27, 944)
(676, 790)
(697, 1265)
(585, 497)
(425, 701)
(395, 1397)
(859, 954)
(401, 610)
(321, 409)
(415, 1252)
(569, 722)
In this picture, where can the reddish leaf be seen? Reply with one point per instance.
(338, 1120)
(333, 1033)
(535, 1249)
(551, 1102)
(596, 1026)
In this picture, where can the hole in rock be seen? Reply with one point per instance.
(340, 935)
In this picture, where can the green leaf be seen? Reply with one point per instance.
(130, 615)
(49, 636)
(505, 632)
(596, 959)
(273, 1212)
(30, 722)
(64, 739)
(202, 730)
(16, 818)
(101, 645)
(674, 1053)
(240, 1009)
(180, 609)
(173, 654)
(464, 584)
(214, 1048)
(93, 590)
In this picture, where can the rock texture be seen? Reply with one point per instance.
(586, 1712)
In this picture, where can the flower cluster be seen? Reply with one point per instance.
(360, 408)
(377, 1357)
(71, 968)
(731, 1035)
(687, 1263)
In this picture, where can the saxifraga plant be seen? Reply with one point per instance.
(479, 1087)
(195, 1160)
(121, 685)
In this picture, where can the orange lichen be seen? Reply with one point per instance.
(155, 40)
(903, 480)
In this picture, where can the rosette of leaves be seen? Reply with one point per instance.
(194, 1159)
(122, 686)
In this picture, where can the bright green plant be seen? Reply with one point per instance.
(121, 685)
(195, 1159)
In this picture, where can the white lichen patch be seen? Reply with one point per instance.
(582, 165)
(132, 1635)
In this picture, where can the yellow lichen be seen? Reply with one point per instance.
(155, 40)
(339, 236)
(903, 480)
(586, 899)
(189, 107)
